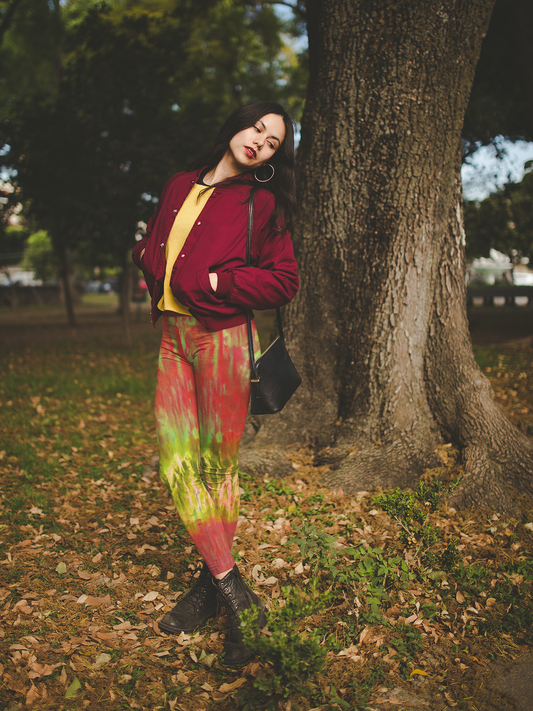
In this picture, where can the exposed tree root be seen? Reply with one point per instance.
(389, 465)
(263, 461)
(483, 483)
(503, 483)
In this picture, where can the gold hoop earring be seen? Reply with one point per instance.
(270, 178)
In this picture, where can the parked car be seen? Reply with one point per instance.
(92, 287)
(109, 285)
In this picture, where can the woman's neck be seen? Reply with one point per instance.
(226, 168)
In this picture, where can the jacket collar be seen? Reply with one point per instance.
(227, 184)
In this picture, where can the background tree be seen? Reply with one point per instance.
(39, 256)
(501, 101)
(379, 327)
(30, 49)
(503, 221)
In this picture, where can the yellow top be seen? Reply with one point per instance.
(190, 210)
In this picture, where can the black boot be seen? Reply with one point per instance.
(236, 597)
(198, 606)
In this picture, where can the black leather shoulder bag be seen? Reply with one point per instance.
(273, 375)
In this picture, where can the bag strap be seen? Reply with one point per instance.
(255, 376)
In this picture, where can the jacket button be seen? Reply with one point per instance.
(198, 223)
(182, 255)
(174, 210)
(162, 244)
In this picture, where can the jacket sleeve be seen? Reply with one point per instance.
(143, 243)
(137, 250)
(271, 283)
(136, 254)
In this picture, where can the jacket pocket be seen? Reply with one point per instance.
(149, 278)
(204, 283)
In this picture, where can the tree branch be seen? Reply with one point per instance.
(298, 7)
(8, 19)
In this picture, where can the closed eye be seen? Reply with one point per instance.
(271, 145)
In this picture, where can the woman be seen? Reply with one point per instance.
(193, 258)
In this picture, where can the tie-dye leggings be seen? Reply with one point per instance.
(201, 402)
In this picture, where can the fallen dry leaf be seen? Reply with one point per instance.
(63, 676)
(226, 688)
(364, 634)
(269, 581)
(279, 563)
(101, 660)
(149, 597)
(41, 669)
(33, 696)
(23, 606)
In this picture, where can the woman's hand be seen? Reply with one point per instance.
(213, 280)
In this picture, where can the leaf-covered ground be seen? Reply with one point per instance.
(419, 602)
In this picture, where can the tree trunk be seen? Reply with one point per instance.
(379, 328)
(8, 19)
(125, 297)
(523, 11)
(65, 273)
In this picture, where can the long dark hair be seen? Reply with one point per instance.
(283, 184)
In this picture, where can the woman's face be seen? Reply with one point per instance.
(256, 145)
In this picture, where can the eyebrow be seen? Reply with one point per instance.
(274, 137)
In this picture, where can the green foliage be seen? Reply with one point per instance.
(449, 558)
(30, 44)
(363, 689)
(373, 574)
(411, 511)
(39, 256)
(369, 571)
(294, 658)
(408, 644)
(316, 548)
(503, 221)
(511, 587)
(279, 487)
(12, 241)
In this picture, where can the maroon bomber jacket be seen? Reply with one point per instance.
(217, 243)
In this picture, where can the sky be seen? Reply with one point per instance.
(485, 173)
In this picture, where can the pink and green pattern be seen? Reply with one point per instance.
(201, 403)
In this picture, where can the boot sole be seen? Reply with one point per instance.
(236, 665)
(189, 630)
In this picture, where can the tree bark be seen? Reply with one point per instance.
(379, 328)
(65, 273)
(125, 298)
